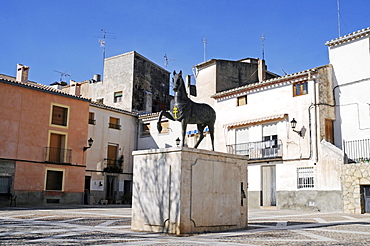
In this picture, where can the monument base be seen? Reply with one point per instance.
(185, 190)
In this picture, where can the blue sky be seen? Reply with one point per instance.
(63, 35)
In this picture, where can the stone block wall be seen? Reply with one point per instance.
(184, 190)
(353, 176)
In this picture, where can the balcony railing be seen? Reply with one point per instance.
(92, 121)
(58, 155)
(258, 150)
(357, 150)
(114, 126)
(113, 165)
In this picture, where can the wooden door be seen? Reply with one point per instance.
(269, 186)
(112, 155)
(55, 148)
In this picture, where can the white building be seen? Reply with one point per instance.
(350, 58)
(289, 168)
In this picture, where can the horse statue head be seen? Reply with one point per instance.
(177, 80)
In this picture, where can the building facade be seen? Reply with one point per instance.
(41, 143)
(131, 82)
(289, 167)
(350, 58)
(109, 161)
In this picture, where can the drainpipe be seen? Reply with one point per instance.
(315, 105)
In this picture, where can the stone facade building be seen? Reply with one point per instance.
(131, 82)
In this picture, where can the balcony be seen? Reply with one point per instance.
(114, 126)
(113, 165)
(263, 150)
(58, 155)
(357, 150)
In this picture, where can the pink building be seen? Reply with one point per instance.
(43, 132)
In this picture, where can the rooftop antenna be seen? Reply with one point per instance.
(338, 5)
(204, 44)
(65, 75)
(263, 46)
(166, 60)
(103, 42)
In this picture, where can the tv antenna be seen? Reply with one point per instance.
(204, 47)
(263, 46)
(65, 75)
(102, 41)
(166, 60)
(338, 5)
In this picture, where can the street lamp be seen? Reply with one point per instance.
(178, 141)
(293, 124)
(90, 142)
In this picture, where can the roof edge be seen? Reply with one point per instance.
(349, 37)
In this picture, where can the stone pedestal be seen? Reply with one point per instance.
(185, 190)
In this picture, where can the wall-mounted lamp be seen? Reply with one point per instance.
(90, 142)
(178, 141)
(293, 123)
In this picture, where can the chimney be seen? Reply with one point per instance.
(261, 70)
(22, 73)
(97, 78)
(78, 89)
(75, 88)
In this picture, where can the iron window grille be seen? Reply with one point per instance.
(305, 177)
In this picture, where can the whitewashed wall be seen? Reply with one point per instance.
(351, 64)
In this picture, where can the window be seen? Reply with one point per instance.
(91, 118)
(118, 96)
(241, 141)
(114, 123)
(59, 115)
(305, 178)
(164, 125)
(145, 129)
(100, 100)
(242, 100)
(329, 131)
(54, 180)
(5, 182)
(300, 88)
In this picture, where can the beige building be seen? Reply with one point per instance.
(109, 161)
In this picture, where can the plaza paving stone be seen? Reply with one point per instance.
(110, 225)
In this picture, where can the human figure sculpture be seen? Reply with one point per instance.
(188, 112)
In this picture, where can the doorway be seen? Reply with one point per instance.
(87, 190)
(365, 197)
(268, 196)
(112, 186)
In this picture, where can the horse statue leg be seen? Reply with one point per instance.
(201, 134)
(184, 124)
(163, 113)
